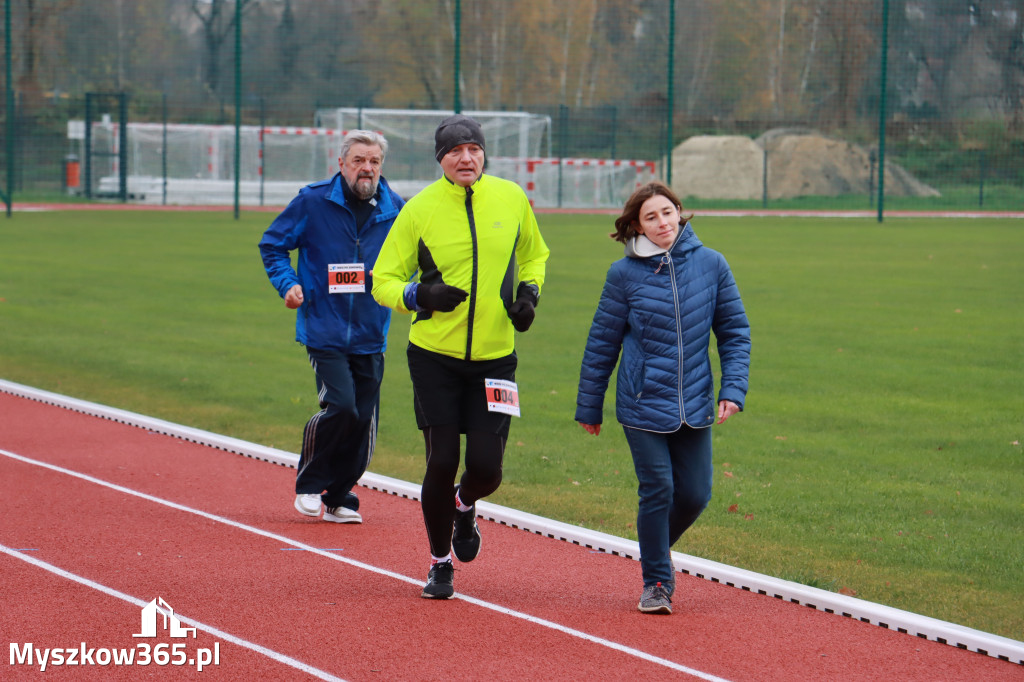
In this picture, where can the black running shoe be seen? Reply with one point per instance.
(440, 581)
(466, 537)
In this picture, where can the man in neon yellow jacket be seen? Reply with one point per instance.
(481, 259)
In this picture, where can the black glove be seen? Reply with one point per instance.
(521, 312)
(439, 297)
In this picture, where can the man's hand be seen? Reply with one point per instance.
(593, 429)
(522, 311)
(439, 297)
(293, 299)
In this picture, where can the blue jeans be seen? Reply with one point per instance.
(674, 475)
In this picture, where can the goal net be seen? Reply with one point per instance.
(410, 164)
(575, 183)
(190, 164)
(194, 164)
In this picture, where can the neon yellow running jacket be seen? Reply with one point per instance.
(483, 239)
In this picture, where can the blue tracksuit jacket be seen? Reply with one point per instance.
(319, 224)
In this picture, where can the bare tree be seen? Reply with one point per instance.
(1007, 46)
(853, 27)
(37, 18)
(811, 52)
(217, 18)
(777, 78)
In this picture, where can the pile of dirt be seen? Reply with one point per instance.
(798, 163)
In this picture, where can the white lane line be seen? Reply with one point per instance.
(373, 569)
(269, 653)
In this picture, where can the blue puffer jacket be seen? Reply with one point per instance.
(322, 227)
(659, 307)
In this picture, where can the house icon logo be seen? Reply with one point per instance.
(171, 622)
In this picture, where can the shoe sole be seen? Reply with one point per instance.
(302, 510)
(440, 595)
(665, 610)
(342, 519)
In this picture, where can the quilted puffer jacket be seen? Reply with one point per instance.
(659, 308)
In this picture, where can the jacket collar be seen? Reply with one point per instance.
(459, 189)
(382, 197)
(640, 246)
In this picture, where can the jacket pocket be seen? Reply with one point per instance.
(638, 377)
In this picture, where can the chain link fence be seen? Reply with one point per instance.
(736, 103)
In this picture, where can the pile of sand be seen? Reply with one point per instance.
(798, 163)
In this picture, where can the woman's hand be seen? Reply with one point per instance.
(726, 409)
(593, 429)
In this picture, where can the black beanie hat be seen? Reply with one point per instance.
(456, 130)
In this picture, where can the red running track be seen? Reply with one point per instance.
(98, 518)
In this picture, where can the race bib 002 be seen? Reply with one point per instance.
(346, 278)
(502, 396)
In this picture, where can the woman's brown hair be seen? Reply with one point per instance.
(626, 224)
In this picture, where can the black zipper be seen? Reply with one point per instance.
(472, 288)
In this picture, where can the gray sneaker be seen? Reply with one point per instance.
(655, 599)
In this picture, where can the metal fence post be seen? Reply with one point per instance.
(981, 178)
(671, 89)
(87, 183)
(9, 87)
(457, 100)
(764, 178)
(163, 154)
(263, 145)
(122, 154)
(238, 102)
(881, 110)
(615, 128)
(563, 139)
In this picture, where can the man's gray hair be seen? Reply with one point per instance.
(364, 137)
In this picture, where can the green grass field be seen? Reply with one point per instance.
(879, 454)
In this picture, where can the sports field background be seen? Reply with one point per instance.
(935, 87)
(879, 454)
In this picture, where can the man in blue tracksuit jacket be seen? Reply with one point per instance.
(338, 226)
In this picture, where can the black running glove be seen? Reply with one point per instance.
(521, 312)
(439, 297)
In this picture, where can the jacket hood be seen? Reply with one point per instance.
(640, 246)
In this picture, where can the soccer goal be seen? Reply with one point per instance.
(518, 149)
(572, 183)
(410, 164)
(189, 164)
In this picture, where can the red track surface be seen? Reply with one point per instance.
(217, 538)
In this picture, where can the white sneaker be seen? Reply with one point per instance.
(342, 515)
(308, 504)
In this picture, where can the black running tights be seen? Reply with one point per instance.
(484, 453)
